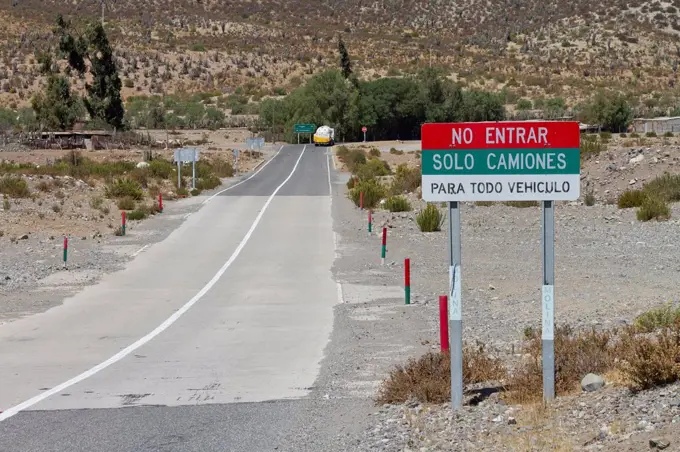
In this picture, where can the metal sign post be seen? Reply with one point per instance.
(501, 161)
(186, 155)
(455, 306)
(548, 300)
(193, 169)
(364, 129)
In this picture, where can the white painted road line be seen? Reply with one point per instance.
(140, 250)
(328, 165)
(247, 179)
(162, 327)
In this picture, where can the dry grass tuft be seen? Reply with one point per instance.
(428, 378)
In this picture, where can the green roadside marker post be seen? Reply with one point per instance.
(303, 128)
(370, 222)
(383, 249)
(501, 161)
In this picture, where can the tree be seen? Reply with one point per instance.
(104, 102)
(57, 108)
(345, 63)
(610, 110)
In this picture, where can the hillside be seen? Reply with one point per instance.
(533, 49)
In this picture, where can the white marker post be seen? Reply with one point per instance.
(501, 161)
(455, 306)
(548, 300)
(194, 157)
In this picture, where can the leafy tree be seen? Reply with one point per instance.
(345, 63)
(57, 107)
(104, 102)
(610, 110)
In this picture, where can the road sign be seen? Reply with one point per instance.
(364, 129)
(255, 143)
(501, 161)
(304, 128)
(185, 155)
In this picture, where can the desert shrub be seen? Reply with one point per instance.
(195, 191)
(605, 136)
(650, 134)
(124, 188)
(631, 198)
(406, 180)
(395, 151)
(374, 152)
(161, 169)
(221, 168)
(6, 205)
(589, 199)
(668, 134)
(14, 186)
(397, 204)
(351, 158)
(97, 202)
(208, 182)
(484, 203)
(372, 169)
(430, 219)
(576, 354)
(590, 148)
(651, 360)
(653, 209)
(428, 378)
(652, 320)
(521, 204)
(137, 215)
(126, 203)
(665, 187)
(373, 192)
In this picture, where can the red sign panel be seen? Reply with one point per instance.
(364, 129)
(500, 134)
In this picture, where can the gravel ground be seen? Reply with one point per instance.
(609, 268)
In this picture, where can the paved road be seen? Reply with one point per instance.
(210, 340)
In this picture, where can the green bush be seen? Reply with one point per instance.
(589, 199)
(665, 187)
(137, 215)
(373, 192)
(668, 134)
(653, 209)
(650, 134)
(372, 169)
(124, 187)
(126, 203)
(15, 187)
(631, 198)
(663, 317)
(374, 152)
(354, 159)
(397, 204)
(430, 219)
(161, 169)
(406, 180)
(208, 183)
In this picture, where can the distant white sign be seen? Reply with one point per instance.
(186, 155)
(255, 143)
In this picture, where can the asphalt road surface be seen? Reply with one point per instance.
(210, 340)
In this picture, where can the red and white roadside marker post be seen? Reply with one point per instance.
(122, 219)
(160, 202)
(361, 200)
(501, 161)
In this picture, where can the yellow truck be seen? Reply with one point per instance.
(324, 136)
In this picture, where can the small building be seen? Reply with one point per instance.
(658, 125)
